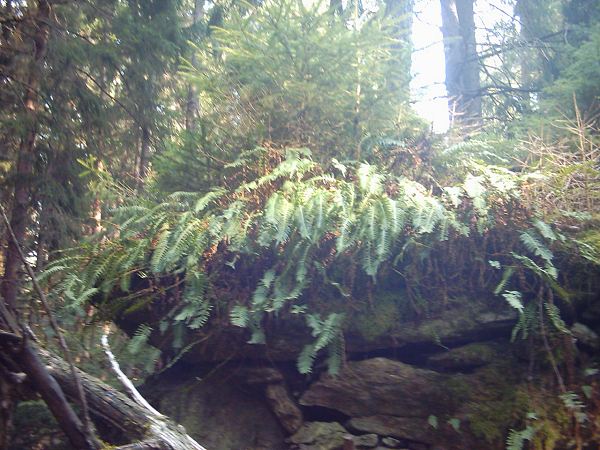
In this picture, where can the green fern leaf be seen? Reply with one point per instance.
(159, 261)
(514, 299)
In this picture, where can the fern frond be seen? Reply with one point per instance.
(139, 339)
(535, 246)
(506, 276)
(159, 260)
(554, 315)
(239, 316)
(513, 298)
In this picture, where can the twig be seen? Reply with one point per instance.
(54, 325)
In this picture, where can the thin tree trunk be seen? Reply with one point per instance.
(192, 110)
(142, 170)
(26, 156)
(462, 66)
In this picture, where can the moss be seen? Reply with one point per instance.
(502, 403)
(491, 417)
(459, 387)
(378, 319)
(553, 421)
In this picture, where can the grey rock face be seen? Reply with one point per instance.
(381, 386)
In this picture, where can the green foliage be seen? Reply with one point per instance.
(294, 212)
(301, 174)
(139, 339)
(516, 438)
(327, 333)
(573, 403)
(297, 75)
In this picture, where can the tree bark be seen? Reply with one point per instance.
(524, 10)
(336, 7)
(144, 154)
(462, 66)
(53, 396)
(26, 156)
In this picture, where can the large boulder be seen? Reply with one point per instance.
(381, 386)
(390, 398)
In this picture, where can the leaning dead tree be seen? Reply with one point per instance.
(108, 408)
(57, 381)
(132, 417)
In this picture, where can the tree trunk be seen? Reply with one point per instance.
(462, 65)
(26, 156)
(524, 9)
(336, 7)
(120, 417)
(192, 110)
(142, 170)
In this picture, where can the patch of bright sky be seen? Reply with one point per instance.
(428, 69)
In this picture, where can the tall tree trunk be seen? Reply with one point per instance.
(192, 110)
(524, 9)
(26, 156)
(462, 66)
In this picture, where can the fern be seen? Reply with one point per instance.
(299, 222)
(535, 246)
(516, 438)
(554, 315)
(240, 316)
(506, 276)
(514, 299)
(327, 333)
(526, 322)
(573, 403)
(545, 230)
(139, 339)
(195, 309)
(207, 199)
(159, 260)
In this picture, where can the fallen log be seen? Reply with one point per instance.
(117, 411)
